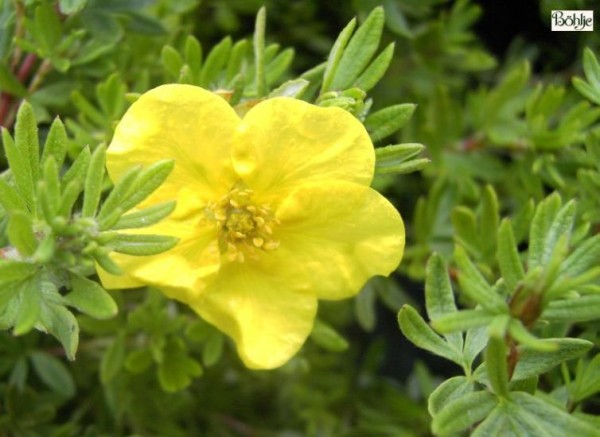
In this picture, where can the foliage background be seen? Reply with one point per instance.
(479, 73)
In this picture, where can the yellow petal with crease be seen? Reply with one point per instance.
(268, 322)
(284, 142)
(182, 122)
(335, 236)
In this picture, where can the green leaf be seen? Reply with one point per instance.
(475, 340)
(258, 43)
(524, 337)
(145, 217)
(462, 320)
(374, 72)
(61, 323)
(90, 298)
(193, 53)
(497, 423)
(418, 332)
(335, 55)
(69, 197)
(237, 59)
(177, 369)
(439, 298)
(112, 359)
(51, 180)
(278, 66)
(29, 306)
(534, 362)
(464, 223)
(215, 62)
(78, 169)
(20, 233)
(20, 155)
(496, 366)
(388, 120)
(16, 271)
(364, 307)
(591, 67)
(452, 418)
(10, 84)
(142, 244)
(488, 221)
(292, 88)
(139, 360)
(543, 219)
(70, 7)
(148, 180)
(104, 261)
(587, 382)
(117, 195)
(93, 182)
(509, 261)
(10, 200)
(583, 258)
(213, 348)
(53, 373)
(360, 50)
(399, 158)
(48, 28)
(86, 108)
(327, 337)
(547, 418)
(578, 309)
(474, 285)
(449, 390)
(172, 61)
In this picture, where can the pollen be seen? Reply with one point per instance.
(245, 227)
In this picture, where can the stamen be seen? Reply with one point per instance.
(245, 228)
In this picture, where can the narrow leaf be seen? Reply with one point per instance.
(141, 244)
(29, 306)
(145, 217)
(90, 298)
(439, 298)
(20, 233)
(259, 52)
(452, 418)
(112, 359)
(417, 331)
(462, 320)
(148, 181)
(93, 182)
(374, 72)
(19, 164)
(336, 54)
(360, 50)
(553, 419)
(449, 390)
(509, 261)
(53, 373)
(534, 362)
(579, 309)
(388, 120)
(497, 370)
(327, 337)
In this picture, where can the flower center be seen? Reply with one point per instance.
(245, 228)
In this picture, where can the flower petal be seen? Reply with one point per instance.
(182, 272)
(183, 122)
(335, 236)
(268, 322)
(284, 142)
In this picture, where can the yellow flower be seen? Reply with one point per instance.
(274, 211)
